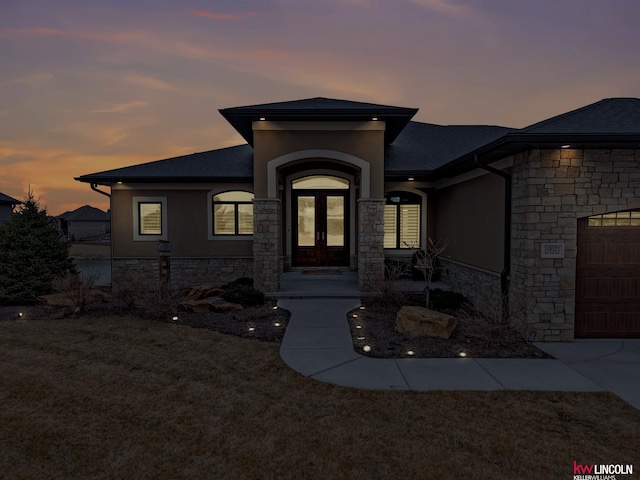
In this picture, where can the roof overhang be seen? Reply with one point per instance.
(395, 118)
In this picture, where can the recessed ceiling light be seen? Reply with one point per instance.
(374, 118)
(565, 146)
(262, 119)
(411, 179)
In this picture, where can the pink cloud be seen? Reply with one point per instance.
(223, 16)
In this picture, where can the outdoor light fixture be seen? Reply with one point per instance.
(565, 146)
(355, 316)
(362, 307)
(411, 179)
(532, 336)
(277, 324)
(275, 308)
(374, 118)
(462, 354)
(366, 348)
(262, 119)
(411, 353)
(251, 329)
(20, 314)
(119, 183)
(175, 319)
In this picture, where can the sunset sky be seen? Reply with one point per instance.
(91, 85)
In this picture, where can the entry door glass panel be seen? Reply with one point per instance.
(335, 221)
(306, 221)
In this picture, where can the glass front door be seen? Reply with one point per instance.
(320, 233)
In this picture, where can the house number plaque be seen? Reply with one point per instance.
(552, 250)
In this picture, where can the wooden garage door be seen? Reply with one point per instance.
(608, 276)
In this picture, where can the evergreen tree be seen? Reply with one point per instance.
(32, 254)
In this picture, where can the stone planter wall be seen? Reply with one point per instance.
(480, 286)
(552, 189)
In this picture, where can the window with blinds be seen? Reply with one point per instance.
(233, 213)
(150, 215)
(402, 220)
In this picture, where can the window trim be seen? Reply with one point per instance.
(211, 212)
(143, 237)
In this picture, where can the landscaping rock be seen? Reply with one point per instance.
(211, 304)
(420, 321)
(69, 299)
(203, 292)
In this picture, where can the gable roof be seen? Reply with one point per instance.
(7, 200)
(86, 213)
(319, 109)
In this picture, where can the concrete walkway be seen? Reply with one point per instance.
(318, 344)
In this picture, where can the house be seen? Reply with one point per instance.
(546, 217)
(84, 223)
(7, 204)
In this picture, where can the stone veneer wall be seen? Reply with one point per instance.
(480, 286)
(370, 243)
(185, 272)
(552, 189)
(267, 260)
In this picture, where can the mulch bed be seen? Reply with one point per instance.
(266, 323)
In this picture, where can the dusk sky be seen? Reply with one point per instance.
(91, 85)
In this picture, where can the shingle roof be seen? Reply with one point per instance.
(6, 199)
(86, 213)
(220, 165)
(319, 108)
(608, 116)
(423, 147)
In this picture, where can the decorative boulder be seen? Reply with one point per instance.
(212, 304)
(420, 322)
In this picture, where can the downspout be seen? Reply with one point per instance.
(94, 187)
(506, 271)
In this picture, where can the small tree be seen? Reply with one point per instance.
(32, 254)
(427, 263)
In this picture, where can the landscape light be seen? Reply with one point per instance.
(275, 308)
(277, 324)
(361, 307)
(355, 316)
(462, 354)
(20, 314)
(366, 348)
(251, 329)
(411, 352)
(175, 319)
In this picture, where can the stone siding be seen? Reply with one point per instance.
(480, 286)
(370, 243)
(552, 189)
(267, 256)
(185, 272)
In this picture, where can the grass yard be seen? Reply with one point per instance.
(119, 397)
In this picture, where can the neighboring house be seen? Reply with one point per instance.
(7, 204)
(546, 216)
(84, 222)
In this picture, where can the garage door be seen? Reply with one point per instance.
(608, 275)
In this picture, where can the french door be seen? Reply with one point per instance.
(320, 233)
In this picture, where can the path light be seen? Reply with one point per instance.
(275, 308)
(362, 307)
(251, 329)
(175, 319)
(366, 348)
(277, 324)
(359, 337)
(462, 354)
(411, 353)
(355, 316)
(20, 314)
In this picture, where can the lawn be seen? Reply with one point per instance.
(119, 397)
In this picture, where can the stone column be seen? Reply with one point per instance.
(370, 243)
(266, 244)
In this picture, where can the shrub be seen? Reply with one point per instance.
(245, 295)
(132, 294)
(77, 291)
(442, 300)
(32, 254)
